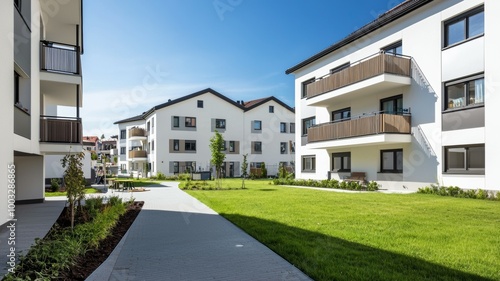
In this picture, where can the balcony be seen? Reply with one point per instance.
(56, 129)
(59, 58)
(379, 72)
(367, 129)
(137, 155)
(137, 133)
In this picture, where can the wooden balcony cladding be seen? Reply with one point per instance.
(371, 125)
(137, 154)
(137, 132)
(359, 71)
(60, 129)
(60, 58)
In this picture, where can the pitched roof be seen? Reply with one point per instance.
(395, 13)
(245, 106)
(92, 139)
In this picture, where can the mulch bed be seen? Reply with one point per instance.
(86, 264)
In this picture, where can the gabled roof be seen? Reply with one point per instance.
(244, 106)
(92, 139)
(395, 13)
(249, 105)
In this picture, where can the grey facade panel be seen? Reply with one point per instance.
(463, 119)
(22, 41)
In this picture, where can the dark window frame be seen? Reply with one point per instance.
(257, 144)
(199, 103)
(304, 86)
(462, 17)
(176, 122)
(174, 143)
(304, 127)
(232, 146)
(313, 163)
(271, 109)
(17, 93)
(17, 4)
(188, 122)
(257, 122)
(123, 150)
(283, 127)
(176, 165)
(292, 128)
(396, 110)
(190, 145)
(467, 169)
(392, 49)
(283, 147)
(123, 134)
(218, 123)
(340, 68)
(395, 161)
(341, 155)
(341, 111)
(466, 81)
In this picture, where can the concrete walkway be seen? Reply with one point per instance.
(33, 221)
(176, 237)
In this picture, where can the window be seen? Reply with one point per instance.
(271, 109)
(220, 123)
(307, 123)
(153, 125)
(341, 115)
(340, 68)
(392, 105)
(223, 146)
(292, 128)
(152, 145)
(341, 162)
(190, 122)
(292, 146)
(394, 49)
(283, 127)
(391, 161)
(465, 159)
(463, 27)
(232, 146)
(304, 86)
(176, 145)
(190, 145)
(17, 77)
(309, 163)
(123, 134)
(283, 147)
(257, 125)
(176, 167)
(257, 146)
(148, 126)
(200, 104)
(465, 92)
(123, 150)
(176, 121)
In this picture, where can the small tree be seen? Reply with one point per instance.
(216, 146)
(264, 170)
(74, 181)
(244, 167)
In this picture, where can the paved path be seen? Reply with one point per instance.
(176, 237)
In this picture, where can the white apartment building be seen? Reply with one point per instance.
(407, 99)
(40, 70)
(174, 137)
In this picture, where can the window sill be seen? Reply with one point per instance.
(464, 172)
(390, 172)
(455, 109)
(308, 171)
(462, 42)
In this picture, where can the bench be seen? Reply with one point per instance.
(360, 177)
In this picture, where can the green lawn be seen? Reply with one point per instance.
(88, 190)
(367, 236)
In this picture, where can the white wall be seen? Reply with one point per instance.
(29, 177)
(54, 169)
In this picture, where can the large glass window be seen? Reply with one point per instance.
(465, 159)
(307, 123)
(341, 162)
(341, 115)
(304, 86)
(465, 26)
(464, 92)
(340, 68)
(394, 49)
(309, 163)
(392, 105)
(391, 161)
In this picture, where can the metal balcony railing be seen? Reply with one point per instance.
(59, 57)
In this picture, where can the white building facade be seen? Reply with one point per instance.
(40, 70)
(407, 99)
(174, 137)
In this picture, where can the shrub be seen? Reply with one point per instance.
(161, 176)
(264, 170)
(114, 201)
(93, 206)
(332, 183)
(184, 177)
(372, 186)
(54, 185)
(455, 191)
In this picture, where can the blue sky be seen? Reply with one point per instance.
(141, 53)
